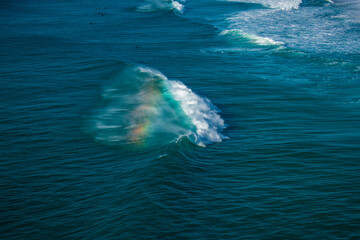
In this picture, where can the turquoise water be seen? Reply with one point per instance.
(198, 119)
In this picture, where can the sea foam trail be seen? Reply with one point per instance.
(156, 5)
(277, 4)
(141, 106)
(238, 35)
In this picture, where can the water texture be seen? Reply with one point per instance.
(164, 119)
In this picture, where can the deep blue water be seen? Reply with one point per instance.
(159, 119)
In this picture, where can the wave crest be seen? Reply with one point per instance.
(239, 35)
(277, 4)
(156, 5)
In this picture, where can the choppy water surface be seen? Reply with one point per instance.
(201, 119)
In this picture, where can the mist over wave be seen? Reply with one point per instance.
(142, 107)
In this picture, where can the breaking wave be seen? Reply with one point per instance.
(141, 106)
(168, 5)
(240, 36)
(277, 4)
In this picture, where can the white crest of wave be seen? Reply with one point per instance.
(155, 5)
(151, 72)
(278, 4)
(238, 34)
(201, 112)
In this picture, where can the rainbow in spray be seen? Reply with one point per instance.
(142, 107)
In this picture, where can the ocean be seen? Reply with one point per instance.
(164, 119)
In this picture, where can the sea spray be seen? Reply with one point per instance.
(142, 107)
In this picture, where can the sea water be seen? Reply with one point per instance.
(164, 119)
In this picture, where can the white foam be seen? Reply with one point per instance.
(178, 6)
(202, 113)
(238, 34)
(278, 4)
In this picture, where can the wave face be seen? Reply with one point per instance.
(156, 5)
(141, 106)
(240, 36)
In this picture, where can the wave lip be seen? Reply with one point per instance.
(239, 35)
(157, 5)
(142, 107)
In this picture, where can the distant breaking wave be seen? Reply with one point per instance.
(239, 35)
(278, 4)
(142, 107)
(156, 5)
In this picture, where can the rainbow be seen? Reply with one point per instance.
(146, 113)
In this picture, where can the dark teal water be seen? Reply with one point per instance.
(180, 120)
